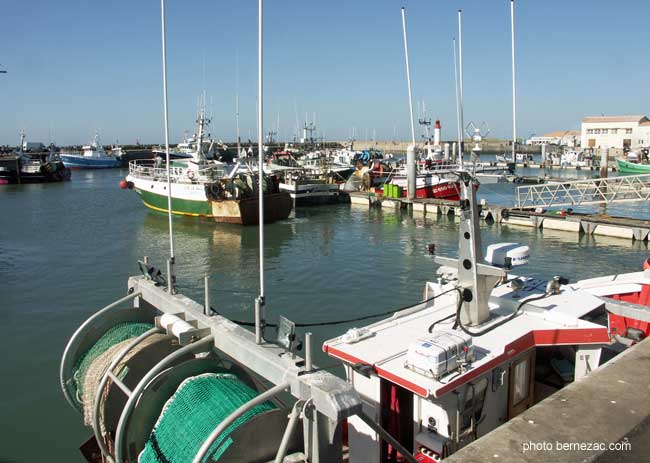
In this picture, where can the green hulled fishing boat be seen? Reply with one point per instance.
(632, 167)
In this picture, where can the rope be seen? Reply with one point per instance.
(347, 320)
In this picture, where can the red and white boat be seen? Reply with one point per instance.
(431, 185)
(481, 348)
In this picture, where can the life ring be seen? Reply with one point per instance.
(190, 174)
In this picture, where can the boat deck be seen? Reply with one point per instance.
(554, 320)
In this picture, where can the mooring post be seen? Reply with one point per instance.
(446, 151)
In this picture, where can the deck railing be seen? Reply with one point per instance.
(147, 169)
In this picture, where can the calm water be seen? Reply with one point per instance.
(67, 249)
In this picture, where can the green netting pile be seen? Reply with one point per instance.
(115, 335)
(193, 412)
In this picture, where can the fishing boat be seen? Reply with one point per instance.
(308, 189)
(92, 157)
(628, 167)
(160, 377)
(21, 167)
(430, 185)
(206, 188)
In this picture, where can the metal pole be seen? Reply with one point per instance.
(206, 308)
(308, 352)
(514, 91)
(293, 419)
(170, 265)
(458, 126)
(205, 447)
(387, 437)
(408, 75)
(461, 142)
(170, 276)
(258, 321)
(260, 148)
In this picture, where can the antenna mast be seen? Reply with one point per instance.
(514, 87)
(458, 128)
(259, 303)
(170, 262)
(461, 142)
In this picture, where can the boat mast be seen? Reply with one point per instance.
(410, 150)
(408, 75)
(461, 141)
(237, 102)
(170, 262)
(514, 91)
(458, 125)
(199, 136)
(259, 302)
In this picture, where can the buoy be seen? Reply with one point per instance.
(646, 264)
(124, 184)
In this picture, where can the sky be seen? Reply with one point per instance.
(77, 66)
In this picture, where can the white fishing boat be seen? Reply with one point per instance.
(573, 158)
(201, 187)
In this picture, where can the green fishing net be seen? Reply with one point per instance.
(115, 335)
(193, 412)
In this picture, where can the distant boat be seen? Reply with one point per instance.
(20, 167)
(93, 157)
(632, 167)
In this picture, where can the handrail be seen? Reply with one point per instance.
(151, 374)
(588, 191)
(205, 448)
(102, 383)
(66, 352)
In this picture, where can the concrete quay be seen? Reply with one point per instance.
(590, 224)
(604, 417)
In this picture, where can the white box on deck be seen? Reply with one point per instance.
(440, 353)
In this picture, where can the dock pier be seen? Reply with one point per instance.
(590, 224)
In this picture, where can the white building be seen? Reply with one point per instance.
(615, 131)
(570, 138)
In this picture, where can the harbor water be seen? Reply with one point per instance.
(67, 249)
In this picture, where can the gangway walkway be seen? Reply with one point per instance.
(584, 192)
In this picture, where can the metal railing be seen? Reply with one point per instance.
(147, 169)
(583, 192)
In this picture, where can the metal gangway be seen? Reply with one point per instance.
(584, 192)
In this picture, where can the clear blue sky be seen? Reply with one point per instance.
(74, 66)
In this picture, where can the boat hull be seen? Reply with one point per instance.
(82, 162)
(277, 206)
(313, 194)
(632, 168)
(12, 174)
(187, 199)
(431, 186)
